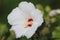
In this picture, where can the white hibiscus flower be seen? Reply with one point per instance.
(25, 19)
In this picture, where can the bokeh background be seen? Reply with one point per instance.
(49, 30)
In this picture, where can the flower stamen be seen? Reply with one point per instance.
(30, 22)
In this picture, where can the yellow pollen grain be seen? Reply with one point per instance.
(25, 24)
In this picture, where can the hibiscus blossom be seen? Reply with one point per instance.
(25, 19)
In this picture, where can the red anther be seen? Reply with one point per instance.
(30, 19)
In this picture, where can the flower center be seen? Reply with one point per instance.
(30, 22)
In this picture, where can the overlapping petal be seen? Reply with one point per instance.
(26, 7)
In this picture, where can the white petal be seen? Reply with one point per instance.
(29, 33)
(26, 7)
(38, 20)
(17, 17)
(19, 31)
(37, 17)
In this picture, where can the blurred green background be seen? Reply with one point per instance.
(50, 29)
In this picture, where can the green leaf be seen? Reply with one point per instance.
(53, 20)
(12, 35)
(57, 39)
(23, 38)
(39, 6)
(43, 38)
(56, 34)
(58, 28)
(3, 29)
(47, 9)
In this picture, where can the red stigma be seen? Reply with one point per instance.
(30, 19)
